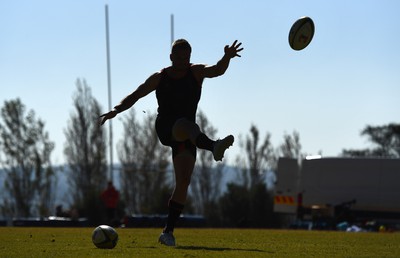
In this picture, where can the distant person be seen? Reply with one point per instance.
(74, 213)
(178, 89)
(110, 197)
(61, 213)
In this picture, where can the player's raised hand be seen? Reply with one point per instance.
(233, 50)
(106, 116)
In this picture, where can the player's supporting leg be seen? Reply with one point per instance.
(183, 167)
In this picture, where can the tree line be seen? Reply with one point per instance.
(146, 179)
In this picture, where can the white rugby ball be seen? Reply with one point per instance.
(301, 33)
(104, 237)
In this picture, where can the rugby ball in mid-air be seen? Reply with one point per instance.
(301, 33)
(104, 237)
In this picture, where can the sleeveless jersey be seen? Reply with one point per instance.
(178, 98)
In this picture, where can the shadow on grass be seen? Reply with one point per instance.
(220, 249)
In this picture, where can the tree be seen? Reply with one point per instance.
(206, 180)
(386, 139)
(144, 166)
(258, 157)
(250, 204)
(291, 147)
(235, 206)
(30, 179)
(85, 153)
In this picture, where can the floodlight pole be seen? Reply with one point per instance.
(172, 29)
(111, 175)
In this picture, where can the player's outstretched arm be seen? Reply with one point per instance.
(148, 86)
(223, 64)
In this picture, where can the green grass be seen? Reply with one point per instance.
(76, 242)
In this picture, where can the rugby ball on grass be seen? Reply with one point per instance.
(104, 237)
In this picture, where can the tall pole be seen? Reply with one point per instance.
(172, 29)
(111, 175)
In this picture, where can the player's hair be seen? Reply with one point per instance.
(180, 44)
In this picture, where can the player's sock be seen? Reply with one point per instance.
(203, 142)
(175, 210)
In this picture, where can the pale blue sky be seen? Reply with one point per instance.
(348, 77)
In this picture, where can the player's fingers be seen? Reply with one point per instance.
(234, 43)
(238, 45)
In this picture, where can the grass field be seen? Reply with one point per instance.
(76, 242)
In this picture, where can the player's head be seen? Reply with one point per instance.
(180, 44)
(180, 54)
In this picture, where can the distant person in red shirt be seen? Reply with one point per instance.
(110, 197)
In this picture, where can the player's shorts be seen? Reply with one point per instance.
(164, 132)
